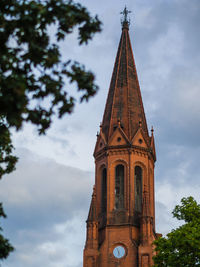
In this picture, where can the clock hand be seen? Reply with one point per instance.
(118, 252)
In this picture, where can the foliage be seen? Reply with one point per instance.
(7, 160)
(32, 74)
(181, 247)
(5, 247)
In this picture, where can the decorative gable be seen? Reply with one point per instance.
(118, 138)
(139, 139)
(101, 143)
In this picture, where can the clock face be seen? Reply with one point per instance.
(119, 252)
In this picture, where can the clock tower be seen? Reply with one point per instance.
(121, 219)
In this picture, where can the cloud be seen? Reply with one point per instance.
(61, 246)
(47, 198)
(168, 196)
(47, 205)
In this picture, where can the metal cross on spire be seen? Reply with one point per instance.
(125, 13)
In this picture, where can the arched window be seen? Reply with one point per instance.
(119, 187)
(104, 190)
(138, 188)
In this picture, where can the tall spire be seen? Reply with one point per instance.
(121, 220)
(124, 100)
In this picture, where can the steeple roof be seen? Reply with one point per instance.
(124, 101)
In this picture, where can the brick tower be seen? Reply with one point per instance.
(121, 220)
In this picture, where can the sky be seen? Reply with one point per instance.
(47, 198)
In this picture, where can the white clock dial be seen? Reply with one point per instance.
(119, 252)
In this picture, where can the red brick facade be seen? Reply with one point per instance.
(121, 220)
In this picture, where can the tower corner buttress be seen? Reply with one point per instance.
(91, 253)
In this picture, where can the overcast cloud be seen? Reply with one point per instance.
(47, 198)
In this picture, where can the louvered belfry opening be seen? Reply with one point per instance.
(104, 191)
(138, 189)
(119, 187)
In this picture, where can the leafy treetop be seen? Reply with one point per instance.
(5, 246)
(32, 74)
(181, 247)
